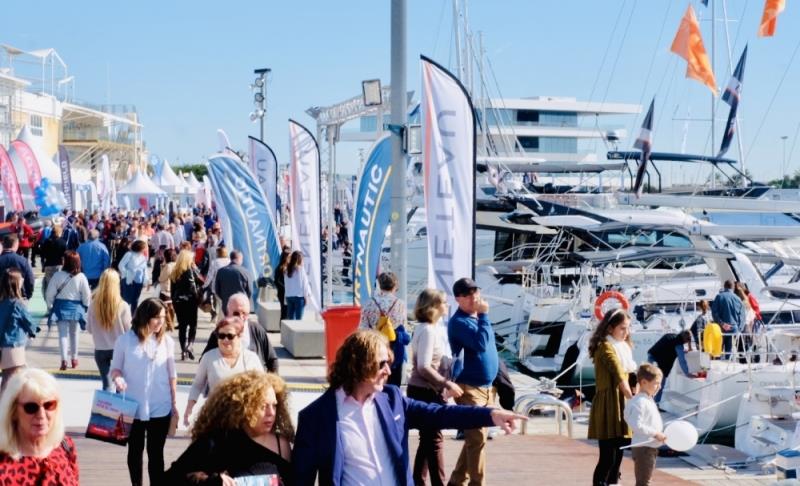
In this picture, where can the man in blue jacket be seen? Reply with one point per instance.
(10, 259)
(727, 310)
(470, 330)
(94, 258)
(356, 433)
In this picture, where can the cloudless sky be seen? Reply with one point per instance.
(187, 66)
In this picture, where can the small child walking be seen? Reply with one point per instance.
(641, 414)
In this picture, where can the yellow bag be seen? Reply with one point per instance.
(385, 325)
(712, 339)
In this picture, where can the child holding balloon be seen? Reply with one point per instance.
(641, 414)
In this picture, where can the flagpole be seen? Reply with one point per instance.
(713, 100)
(736, 121)
(398, 118)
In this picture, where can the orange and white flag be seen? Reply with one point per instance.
(769, 18)
(688, 44)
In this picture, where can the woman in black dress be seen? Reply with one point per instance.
(244, 429)
(280, 284)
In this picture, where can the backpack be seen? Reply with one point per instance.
(385, 325)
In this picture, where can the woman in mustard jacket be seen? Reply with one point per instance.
(612, 354)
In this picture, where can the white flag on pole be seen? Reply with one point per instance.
(449, 176)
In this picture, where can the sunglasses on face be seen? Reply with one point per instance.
(238, 314)
(32, 408)
(384, 363)
(225, 335)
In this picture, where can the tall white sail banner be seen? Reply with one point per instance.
(304, 192)
(448, 122)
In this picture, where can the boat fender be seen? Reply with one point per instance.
(609, 294)
(712, 339)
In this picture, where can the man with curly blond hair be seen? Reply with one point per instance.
(357, 431)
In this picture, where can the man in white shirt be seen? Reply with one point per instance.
(356, 433)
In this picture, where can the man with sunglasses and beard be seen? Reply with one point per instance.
(254, 337)
(356, 433)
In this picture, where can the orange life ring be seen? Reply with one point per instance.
(609, 294)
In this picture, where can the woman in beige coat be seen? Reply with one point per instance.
(610, 350)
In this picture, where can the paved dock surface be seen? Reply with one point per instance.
(537, 458)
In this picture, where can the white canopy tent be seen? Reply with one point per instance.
(170, 182)
(192, 182)
(142, 187)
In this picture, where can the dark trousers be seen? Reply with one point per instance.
(155, 431)
(186, 313)
(294, 307)
(131, 294)
(607, 469)
(281, 298)
(103, 359)
(430, 453)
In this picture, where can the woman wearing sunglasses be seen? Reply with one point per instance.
(219, 363)
(143, 367)
(33, 447)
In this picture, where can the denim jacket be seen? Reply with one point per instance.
(16, 324)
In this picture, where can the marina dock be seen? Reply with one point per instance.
(540, 457)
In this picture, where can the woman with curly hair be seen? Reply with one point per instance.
(243, 429)
(612, 354)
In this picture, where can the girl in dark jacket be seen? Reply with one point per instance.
(185, 283)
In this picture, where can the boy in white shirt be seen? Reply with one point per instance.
(641, 413)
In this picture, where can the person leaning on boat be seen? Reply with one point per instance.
(612, 354)
(727, 310)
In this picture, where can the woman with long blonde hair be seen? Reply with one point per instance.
(186, 287)
(108, 318)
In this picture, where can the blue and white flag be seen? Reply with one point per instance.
(157, 164)
(304, 204)
(264, 166)
(644, 142)
(247, 222)
(731, 97)
(372, 215)
(66, 176)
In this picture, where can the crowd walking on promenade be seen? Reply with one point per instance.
(96, 268)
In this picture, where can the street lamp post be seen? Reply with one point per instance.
(260, 97)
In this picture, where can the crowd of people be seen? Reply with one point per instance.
(96, 269)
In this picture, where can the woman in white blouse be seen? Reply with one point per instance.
(108, 318)
(219, 363)
(143, 367)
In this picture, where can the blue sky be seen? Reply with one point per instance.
(187, 65)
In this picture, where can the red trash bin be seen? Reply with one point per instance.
(340, 322)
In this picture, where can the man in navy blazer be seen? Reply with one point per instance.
(356, 433)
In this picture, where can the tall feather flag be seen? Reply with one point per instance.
(644, 142)
(769, 19)
(731, 97)
(688, 44)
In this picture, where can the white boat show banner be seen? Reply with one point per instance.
(247, 222)
(448, 123)
(264, 165)
(304, 193)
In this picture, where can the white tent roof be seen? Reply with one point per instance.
(169, 181)
(140, 184)
(192, 181)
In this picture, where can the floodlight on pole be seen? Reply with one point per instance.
(371, 89)
(260, 98)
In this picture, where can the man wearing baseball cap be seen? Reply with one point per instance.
(470, 330)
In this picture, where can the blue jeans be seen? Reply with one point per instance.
(131, 293)
(294, 307)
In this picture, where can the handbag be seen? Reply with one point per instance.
(112, 417)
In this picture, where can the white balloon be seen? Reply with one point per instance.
(681, 435)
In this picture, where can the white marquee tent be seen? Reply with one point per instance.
(141, 186)
(170, 182)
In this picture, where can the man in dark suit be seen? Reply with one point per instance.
(10, 259)
(232, 279)
(357, 431)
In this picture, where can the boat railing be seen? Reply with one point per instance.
(529, 402)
